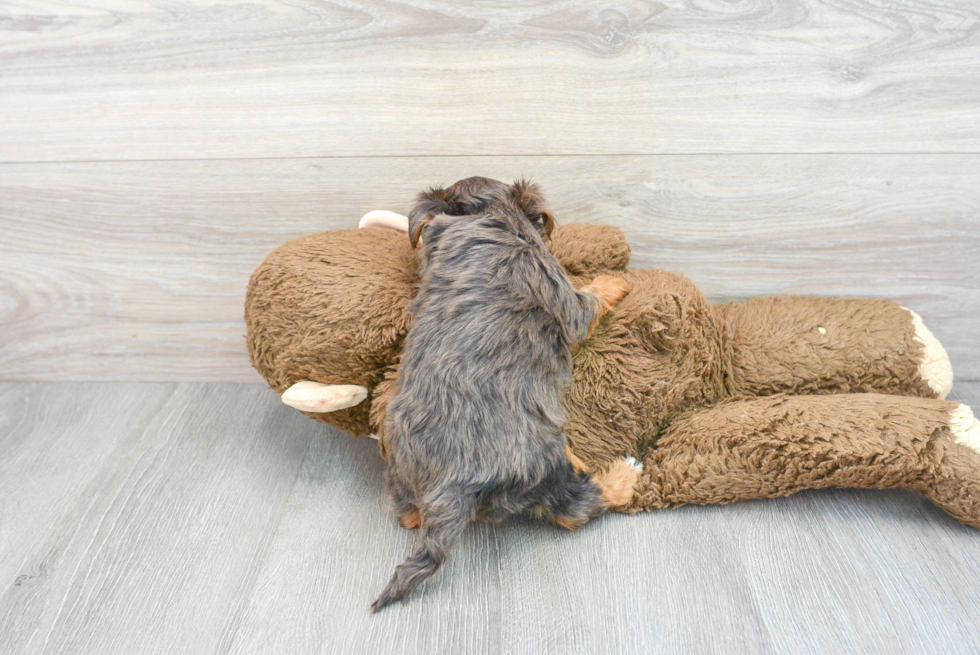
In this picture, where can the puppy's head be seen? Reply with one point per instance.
(473, 196)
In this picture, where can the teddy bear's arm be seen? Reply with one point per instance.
(588, 250)
(765, 447)
(829, 345)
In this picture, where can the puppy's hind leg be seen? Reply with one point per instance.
(404, 501)
(410, 519)
(616, 482)
(570, 498)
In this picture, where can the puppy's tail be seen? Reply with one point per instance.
(441, 526)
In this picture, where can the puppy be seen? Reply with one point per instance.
(475, 428)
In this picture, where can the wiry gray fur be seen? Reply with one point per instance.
(475, 428)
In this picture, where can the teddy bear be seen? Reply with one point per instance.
(720, 403)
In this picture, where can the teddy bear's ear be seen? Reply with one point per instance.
(317, 397)
(430, 203)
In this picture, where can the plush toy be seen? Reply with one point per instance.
(720, 402)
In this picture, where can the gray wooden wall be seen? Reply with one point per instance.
(151, 154)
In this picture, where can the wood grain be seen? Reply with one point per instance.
(159, 503)
(210, 518)
(336, 547)
(53, 442)
(132, 79)
(137, 270)
(627, 586)
(900, 588)
(801, 553)
(623, 584)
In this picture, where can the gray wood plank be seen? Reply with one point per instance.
(158, 550)
(843, 571)
(627, 584)
(210, 518)
(126, 79)
(518, 587)
(53, 441)
(137, 270)
(336, 547)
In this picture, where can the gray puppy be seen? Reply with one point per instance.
(475, 427)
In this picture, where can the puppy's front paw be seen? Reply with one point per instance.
(618, 482)
(610, 289)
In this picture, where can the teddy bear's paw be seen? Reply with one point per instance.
(935, 368)
(618, 482)
(385, 219)
(965, 427)
(308, 396)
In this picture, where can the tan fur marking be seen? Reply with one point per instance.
(569, 523)
(577, 464)
(549, 222)
(410, 520)
(609, 290)
(618, 482)
(418, 232)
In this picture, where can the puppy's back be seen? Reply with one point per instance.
(474, 429)
(488, 353)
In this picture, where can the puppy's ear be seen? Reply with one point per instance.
(430, 203)
(547, 222)
(528, 197)
(531, 202)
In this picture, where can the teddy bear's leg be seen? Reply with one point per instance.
(763, 447)
(830, 345)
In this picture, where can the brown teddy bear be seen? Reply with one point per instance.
(719, 402)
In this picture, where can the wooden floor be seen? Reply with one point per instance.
(210, 518)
